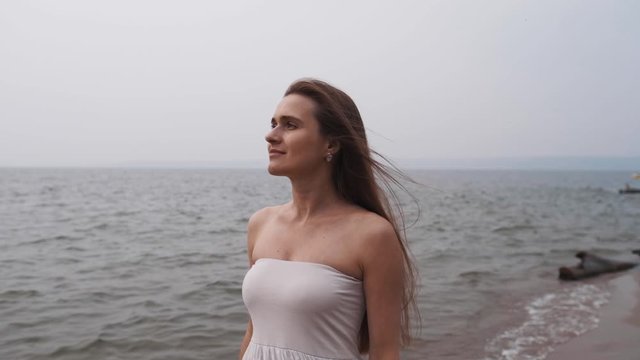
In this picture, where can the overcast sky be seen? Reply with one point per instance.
(108, 82)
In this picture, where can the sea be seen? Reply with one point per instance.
(147, 264)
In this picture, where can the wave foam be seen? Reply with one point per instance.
(552, 319)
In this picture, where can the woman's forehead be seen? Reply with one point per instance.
(296, 106)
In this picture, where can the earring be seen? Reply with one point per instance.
(329, 157)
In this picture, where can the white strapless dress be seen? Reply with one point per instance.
(302, 311)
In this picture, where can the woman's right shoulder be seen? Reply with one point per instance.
(257, 221)
(262, 216)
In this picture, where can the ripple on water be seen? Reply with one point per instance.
(17, 294)
(50, 239)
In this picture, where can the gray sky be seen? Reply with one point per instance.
(94, 83)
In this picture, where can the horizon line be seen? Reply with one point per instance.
(610, 163)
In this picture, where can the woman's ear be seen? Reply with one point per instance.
(334, 146)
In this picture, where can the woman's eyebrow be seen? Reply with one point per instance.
(287, 117)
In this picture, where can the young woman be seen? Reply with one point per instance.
(330, 275)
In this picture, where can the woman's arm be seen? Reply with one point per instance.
(383, 276)
(246, 340)
(252, 229)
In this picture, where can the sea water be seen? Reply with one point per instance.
(148, 264)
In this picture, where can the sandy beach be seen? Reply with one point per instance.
(617, 336)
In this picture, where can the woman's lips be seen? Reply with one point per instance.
(275, 152)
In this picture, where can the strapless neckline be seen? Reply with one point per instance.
(310, 263)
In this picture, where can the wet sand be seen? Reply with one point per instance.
(618, 333)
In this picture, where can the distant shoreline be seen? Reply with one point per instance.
(631, 164)
(529, 163)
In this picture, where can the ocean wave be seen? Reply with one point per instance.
(49, 239)
(552, 319)
(225, 230)
(75, 249)
(476, 274)
(18, 294)
(104, 347)
(513, 229)
(208, 291)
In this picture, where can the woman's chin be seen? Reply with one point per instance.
(275, 170)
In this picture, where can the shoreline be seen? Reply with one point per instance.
(617, 334)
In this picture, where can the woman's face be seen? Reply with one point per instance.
(296, 145)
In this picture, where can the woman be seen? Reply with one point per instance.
(330, 276)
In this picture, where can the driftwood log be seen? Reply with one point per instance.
(593, 265)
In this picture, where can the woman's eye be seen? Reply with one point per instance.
(288, 125)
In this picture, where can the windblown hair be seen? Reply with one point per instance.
(361, 179)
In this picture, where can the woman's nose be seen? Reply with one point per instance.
(272, 136)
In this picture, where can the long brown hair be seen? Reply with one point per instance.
(359, 178)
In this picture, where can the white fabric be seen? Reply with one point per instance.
(302, 311)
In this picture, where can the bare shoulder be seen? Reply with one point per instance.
(262, 217)
(256, 223)
(377, 239)
(374, 227)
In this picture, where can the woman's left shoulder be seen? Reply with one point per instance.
(373, 231)
(370, 223)
(376, 246)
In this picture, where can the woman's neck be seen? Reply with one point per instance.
(312, 197)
